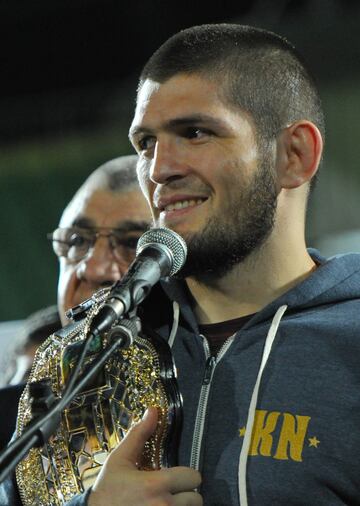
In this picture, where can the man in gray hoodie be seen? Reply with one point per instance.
(229, 130)
(264, 332)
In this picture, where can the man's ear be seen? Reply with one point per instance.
(299, 152)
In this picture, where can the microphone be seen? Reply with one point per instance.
(160, 252)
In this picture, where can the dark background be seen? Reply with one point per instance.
(68, 80)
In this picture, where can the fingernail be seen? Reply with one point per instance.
(145, 415)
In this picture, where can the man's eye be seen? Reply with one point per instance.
(127, 242)
(146, 143)
(196, 133)
(77, 240)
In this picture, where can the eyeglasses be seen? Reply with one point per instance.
(74, 243)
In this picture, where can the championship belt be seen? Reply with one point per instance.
(98, 417)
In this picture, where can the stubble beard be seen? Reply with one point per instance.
(228, 239)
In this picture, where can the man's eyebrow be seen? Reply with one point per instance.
(171, 124)
(83, 222)
(137, 130)
(195, 119)
(121, 226)
(132, 226)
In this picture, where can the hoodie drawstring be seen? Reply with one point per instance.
(252, 407)
(176, 314)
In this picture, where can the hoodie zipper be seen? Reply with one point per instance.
(210, 365)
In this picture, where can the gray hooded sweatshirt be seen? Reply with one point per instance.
(275, 417)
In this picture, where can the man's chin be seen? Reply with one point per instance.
(180, 228)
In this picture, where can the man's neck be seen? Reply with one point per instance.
(251, 285)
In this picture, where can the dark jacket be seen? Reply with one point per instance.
(290, 377)
(9, 399)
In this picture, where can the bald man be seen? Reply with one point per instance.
(95, 242)
(98, 232)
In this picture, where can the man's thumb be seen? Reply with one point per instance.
(131, 447)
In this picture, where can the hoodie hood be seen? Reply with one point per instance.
(336, 279)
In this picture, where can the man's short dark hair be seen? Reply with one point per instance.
(259, 71)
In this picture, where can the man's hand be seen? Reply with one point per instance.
(120, 483)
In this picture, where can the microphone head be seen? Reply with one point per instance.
(175, 244)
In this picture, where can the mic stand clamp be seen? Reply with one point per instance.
(42, 399)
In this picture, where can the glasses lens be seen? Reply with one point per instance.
(72, 243)
(124, 245)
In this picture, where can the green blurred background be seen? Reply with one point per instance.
(68, 95)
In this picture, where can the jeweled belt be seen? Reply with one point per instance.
(98, 417)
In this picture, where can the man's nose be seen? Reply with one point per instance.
(168, 162)
(100, 267)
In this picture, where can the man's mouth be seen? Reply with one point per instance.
(183, 204)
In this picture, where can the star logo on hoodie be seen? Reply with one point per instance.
(242, 431)
(313, 441)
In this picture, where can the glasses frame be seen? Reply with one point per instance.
(95, 232)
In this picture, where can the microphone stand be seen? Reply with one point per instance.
(47, 409)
